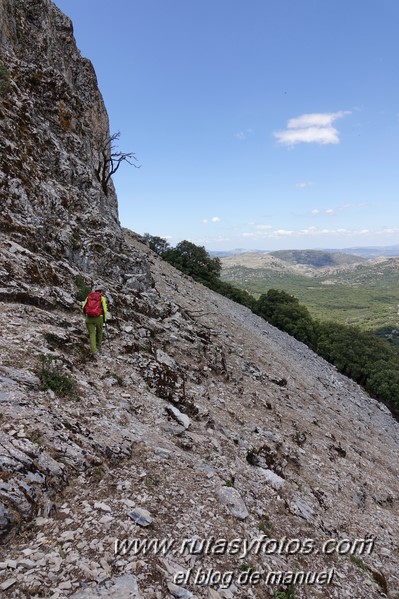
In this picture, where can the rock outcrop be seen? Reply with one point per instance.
(201, 426)
(53, 129)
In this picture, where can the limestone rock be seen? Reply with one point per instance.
(181, 418)
(122, 587)
(179, 592)
(275, 481)
(141, 517)
(231, 498)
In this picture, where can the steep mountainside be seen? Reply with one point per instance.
(200, 423)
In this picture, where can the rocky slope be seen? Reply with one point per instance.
(200, 423)
(205, 416)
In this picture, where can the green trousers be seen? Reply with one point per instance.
(94, 326)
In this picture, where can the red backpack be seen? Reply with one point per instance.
(93, 306)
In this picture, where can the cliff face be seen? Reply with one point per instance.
(200, 420)
(53, 126)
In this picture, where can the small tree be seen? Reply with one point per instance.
(110, 159)
(159, 245)
(194, 260)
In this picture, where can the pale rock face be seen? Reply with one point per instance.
(200, 417)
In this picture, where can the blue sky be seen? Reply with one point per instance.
(259, 124)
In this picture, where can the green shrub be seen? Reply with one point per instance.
(288, 594)
(54, 341)
(358, 561)
(265, 526)
(52, 377)
(83, 289)
(36, 437)
(240, 296)
(229, 482)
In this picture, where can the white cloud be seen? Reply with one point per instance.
(334, 211)
(264, 227)
(243, 134)
(341, 232)
(325, 119)
(214, 219)
(387, 231)
(304, 184)
(314, 232)
(284, 233)
(311, 128)
(308, 237)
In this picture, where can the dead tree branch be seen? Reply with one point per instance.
(110, 159)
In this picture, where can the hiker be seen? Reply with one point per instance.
(95, 308)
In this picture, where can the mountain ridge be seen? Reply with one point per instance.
(361, 251)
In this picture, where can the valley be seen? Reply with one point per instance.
(349, 289)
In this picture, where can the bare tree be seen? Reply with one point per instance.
(110, 159)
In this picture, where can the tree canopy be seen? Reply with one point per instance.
(194, 260)
(286, 313)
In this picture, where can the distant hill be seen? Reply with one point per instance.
(316, 258)
(361, 252)
(237, 251)
(263, 261)
(361, 292)
(372, 251)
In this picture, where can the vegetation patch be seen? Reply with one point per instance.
(358, 561)
(52, 377)
(54, 341)
(83, 289)
(288, 594)
(265, 526)
(229, 482)
(36, 437)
